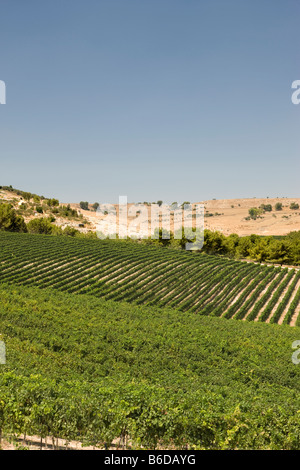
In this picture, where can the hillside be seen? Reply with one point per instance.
(234, 211)
(31, 206)
(225, 215)
(228, 216)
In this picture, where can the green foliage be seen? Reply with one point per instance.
(255, 212)
(266, 207)
(84, 205)
(27, 196)
(40, 225)
(95, 206)
(85, 369)
(294, 206)
(70, 231)
(214, 242)
(122, 360)
(39, 209)
(10, 221)
(278, 206)
(162, 236)
(147, 274)
(53, 202)
(67, 211)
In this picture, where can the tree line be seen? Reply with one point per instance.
(283, 250)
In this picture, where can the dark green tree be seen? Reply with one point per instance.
(10, 221)
(41, 225)
(84, 205)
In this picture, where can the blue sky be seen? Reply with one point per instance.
(154, 99)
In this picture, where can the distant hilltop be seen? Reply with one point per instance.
(244, 216)
(272, 216)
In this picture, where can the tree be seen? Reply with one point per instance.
(242, 250)
(27, 196)
(259, 251)
(231, 243)
(294, 206)
(53, 202)
(163, 236)
(10, 221)
(95, 206)
(41, 225)
(214, 242)
(278, 206)
(70, 231)
(84, 205)
(266, 207)
(255, 212)
(277, 252)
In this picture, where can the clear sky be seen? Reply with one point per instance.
(179, 100)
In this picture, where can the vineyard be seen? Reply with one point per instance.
(145, 274)
(117, 344)
(111, 374)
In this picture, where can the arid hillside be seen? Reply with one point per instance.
(225, 215)
(232, 216)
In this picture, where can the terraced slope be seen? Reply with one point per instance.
(144, 274)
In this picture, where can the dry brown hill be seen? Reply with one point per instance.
(234, 212)
(225, 215)
(229, 216)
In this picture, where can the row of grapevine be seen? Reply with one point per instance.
(104, 373)
(118, 270)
